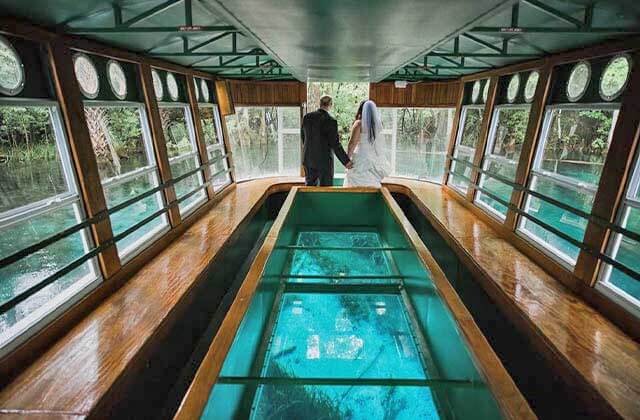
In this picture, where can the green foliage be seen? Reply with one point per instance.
(26, 134)
(346, 99)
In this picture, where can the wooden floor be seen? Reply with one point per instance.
(82, 371)
(588, 346)
(85, 368)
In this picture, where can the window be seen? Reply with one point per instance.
(87, 75)
(465, 147)
(11, 69)
(265, 141)
(615, 77)
(567, 169)
(212, 129)
(179, 135)
(531, 85)
(183, 155)
(38, 199)
(504, 144)
(625, 250)
(506, 136)
(417, 139)
(122, 144)
(570, 156)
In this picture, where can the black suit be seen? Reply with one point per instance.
(319, 141)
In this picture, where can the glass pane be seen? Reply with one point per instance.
(615, 77)
(30, 164)
(471, 126)
(129, 216)
(176, 132)
(29, 271)
(121, 148)
(460, 170)
(208, 119)
(260, 146)
(421, 142)
(578, 81)
(627, 252)
(502, 157)
(577, 143)
(180, 143)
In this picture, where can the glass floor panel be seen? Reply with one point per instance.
(344, 402)
(343, 335)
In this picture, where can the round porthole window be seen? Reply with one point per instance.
(157, 85)
(205, 90)
(513, 88)
(615, 77)
(578, 81)
(531, 85)
(197, 89)
(117, 79)
(87, 75)
(11, 69)
(485, 92)
(475, 91)
(172, 86)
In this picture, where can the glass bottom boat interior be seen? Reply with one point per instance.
(346, 323)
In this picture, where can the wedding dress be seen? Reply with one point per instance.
(370, 164)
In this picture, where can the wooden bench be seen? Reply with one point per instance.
(590, 351)
(86, 371)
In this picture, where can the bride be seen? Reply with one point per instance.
(365, 149)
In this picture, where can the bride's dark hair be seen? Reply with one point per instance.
(359, 112)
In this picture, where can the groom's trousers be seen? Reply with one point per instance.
(314, 177)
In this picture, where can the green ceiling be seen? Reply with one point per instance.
(338, 39)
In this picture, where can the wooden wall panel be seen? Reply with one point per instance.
(424, 94)
(255, 93)
(225, 101)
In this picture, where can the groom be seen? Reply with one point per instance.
(319, 141)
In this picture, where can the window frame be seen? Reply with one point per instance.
(210, 147)
(24, 329)
(488, 157)
(126, 254)
(536, 172)
(190, 123)
(603, 284)
(458, 145)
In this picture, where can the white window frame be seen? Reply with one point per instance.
(603, 285)
(489, 157)
(217, 120)
(126, 254)
(564, 181)
(188, 118)
(458, 146)
(18, 333)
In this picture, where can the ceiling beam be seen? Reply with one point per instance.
(554, 13)
(510, 31)
(482, 43)
(151, 12)
(209, 54)
(150, 30)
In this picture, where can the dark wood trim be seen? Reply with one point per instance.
(200, 140)
(82, 153)
(511, 402)
(615, 172)
(483, 136)
(225, 100)
(206, 376)
(159, 144)
(415, 95)
(454, 133)
(534, 126)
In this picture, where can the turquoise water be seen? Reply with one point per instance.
(345, 324)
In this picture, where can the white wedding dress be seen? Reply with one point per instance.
(370, 164)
